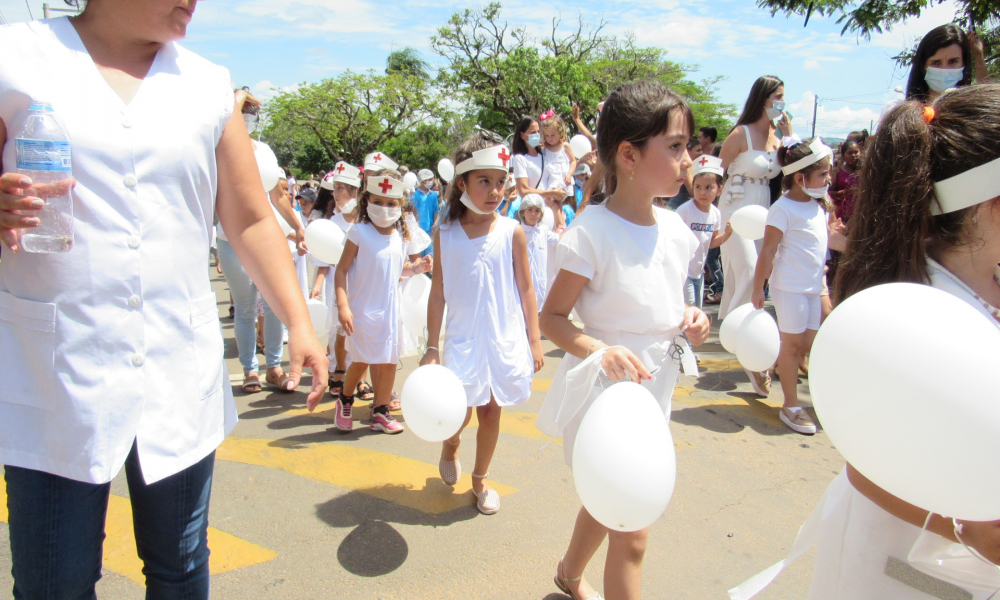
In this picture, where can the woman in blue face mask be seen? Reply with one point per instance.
(529, 165)
(945, 59)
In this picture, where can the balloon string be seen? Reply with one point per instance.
(957, 528)
(546, 444)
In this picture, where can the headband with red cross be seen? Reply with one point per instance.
(706, 163)
(497, 157)
(345, 173)
(387, 187)
(378, 161)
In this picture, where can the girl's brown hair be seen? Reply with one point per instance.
(787, 156)
(892, 228)
(364, 199)
(456, 210)
(560, 125)
(635, 113)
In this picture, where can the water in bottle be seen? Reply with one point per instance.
(43, 154)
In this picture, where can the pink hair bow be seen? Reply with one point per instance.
(547, 115)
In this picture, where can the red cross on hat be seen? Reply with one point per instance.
(385, 185)
(377, 157)
(703, 161)
(503, 156)
(340, 168)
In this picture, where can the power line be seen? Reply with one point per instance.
(861, 95)
(29, 10)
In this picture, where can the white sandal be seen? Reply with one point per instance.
(561, 582)
(450, 470)
(487, 501)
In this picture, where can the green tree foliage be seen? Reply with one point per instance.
(424, 145)
(407, 60)
(504, 73)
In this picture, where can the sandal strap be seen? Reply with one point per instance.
(339, 372)
(480, 476)
(563, 576)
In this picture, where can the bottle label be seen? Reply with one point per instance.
(43, 155)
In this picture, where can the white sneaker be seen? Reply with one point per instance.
(798, 421)
(761, 382)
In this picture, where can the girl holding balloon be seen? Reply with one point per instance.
(492, 342)
(793, 258)
(623, 266)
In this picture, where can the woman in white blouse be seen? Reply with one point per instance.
(111, 354)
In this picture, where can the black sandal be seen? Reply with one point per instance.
(367, 394)
(337, 387)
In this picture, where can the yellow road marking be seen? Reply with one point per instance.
(393, 478)
(540, 384)
(228, 551)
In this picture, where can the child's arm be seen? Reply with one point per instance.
(346, 317)
(522, 276)
(435, 310)
(320, 280)
(720, 237)
(572, 163)
(416, 266)
(583, 129)
(765, 263)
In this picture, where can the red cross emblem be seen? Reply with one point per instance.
(703, 161)
(504, 156)
(377, 157)
(340, 168)
(385, 185)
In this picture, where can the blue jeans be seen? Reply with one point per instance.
(244, 294)
(694, 290)
(714, 264)
(57, 532)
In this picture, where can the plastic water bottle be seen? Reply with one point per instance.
(43, 154)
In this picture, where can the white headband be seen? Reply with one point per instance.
(385, 186)
(497, 157)
(819, 152)
(968, 189)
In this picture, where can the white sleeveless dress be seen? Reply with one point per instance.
(540, 240)
(373, 295)
(486, 340)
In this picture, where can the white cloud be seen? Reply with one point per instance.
(344, 16)
(905, 34)
(265, 90)
(830, 122)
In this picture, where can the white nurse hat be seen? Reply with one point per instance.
(345, 173)
(378, 161)
(706, 163)
(496, 157)
(388, 187)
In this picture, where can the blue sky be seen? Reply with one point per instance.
(270, 44)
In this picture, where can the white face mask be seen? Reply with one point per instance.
(941, 80)
(534, 139)
(384, 216)
(817, 193)
(469, 205)
(776, 109)
(349, 206)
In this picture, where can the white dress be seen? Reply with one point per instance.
(419, 241)
(634, 297)
(116, 342)
(747, 185)
(865, 553)
(330, 294)
(486, 340)
(540, 239)
(373, 295)
(556, 169)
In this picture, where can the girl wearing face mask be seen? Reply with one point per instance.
(492, 342)
(945, 59)
(793, 258)
(366, 281)
(529, 162)
(750, 158)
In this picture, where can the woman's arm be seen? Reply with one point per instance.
(529, 306)
(734, 145)
(286, 211)
(976, 45)
(523, 189)
(765, 263)
(588, 190)
(435, 309)
(836, 233)
(261, 248)
(581, 127)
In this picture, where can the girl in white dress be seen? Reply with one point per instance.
(540, 240)
(873, 545)
(492, 342)
(366, 281)
(560, 163)
(623, 265)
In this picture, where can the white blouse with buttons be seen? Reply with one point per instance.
(116, 341)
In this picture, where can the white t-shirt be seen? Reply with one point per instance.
(703, 225)
(798, 266)
(530, 167)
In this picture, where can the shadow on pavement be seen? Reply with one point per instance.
(728, 418)
(373, 549)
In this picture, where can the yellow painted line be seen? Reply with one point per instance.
(724, 364)
(404, 481)
(540, 384)
(228, 551)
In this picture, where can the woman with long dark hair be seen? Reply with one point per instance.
(528, 163)
(946, 58)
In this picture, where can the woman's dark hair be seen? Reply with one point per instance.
(325, 202)
(859, 136)
(787, 156)
(456, 210)
(519, 146)
(635, 113)
(762, 89)
(365, 199)
(892, 228)
(937, 38)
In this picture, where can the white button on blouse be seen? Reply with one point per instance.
(118, 340)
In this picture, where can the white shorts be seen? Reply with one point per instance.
(797, 312)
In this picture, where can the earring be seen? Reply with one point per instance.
(975, 218)
(631, 175)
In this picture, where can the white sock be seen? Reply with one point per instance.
(794, 409)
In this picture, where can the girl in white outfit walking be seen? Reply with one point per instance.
(492, 341)
(540, 240)
(623, 266)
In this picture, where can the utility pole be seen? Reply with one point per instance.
(815, 106)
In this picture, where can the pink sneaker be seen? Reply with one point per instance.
(343, 420)
(385, 423)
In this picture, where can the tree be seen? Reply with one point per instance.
(505, 73)
(409, 61)
(424, 145)
(865, 17)
(350, 115)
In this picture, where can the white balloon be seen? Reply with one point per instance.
(904, 378)
(549, 218)
(267, 164)
(325, 240)
(758, 341)
(580, 145)
(415, 295)
(318, 315)
(731, 326)
(434, 403)
(749, 221)
(446, 170)
(623, 459)
(410, 181)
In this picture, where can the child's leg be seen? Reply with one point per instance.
(383, 378)
(588, 535)
(623, 567)
(351, 379)
(340, 352)
(449, 449)
(792, 351)
(486, 441)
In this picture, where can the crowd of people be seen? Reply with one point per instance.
(116, 346)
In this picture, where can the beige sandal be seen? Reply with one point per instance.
(450, 470)
(487, 501)
(561, 582)
(280, 382)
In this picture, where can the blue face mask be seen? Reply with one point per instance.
(941, 80)
(534, 139)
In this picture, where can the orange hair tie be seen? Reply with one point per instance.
(929, 114)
